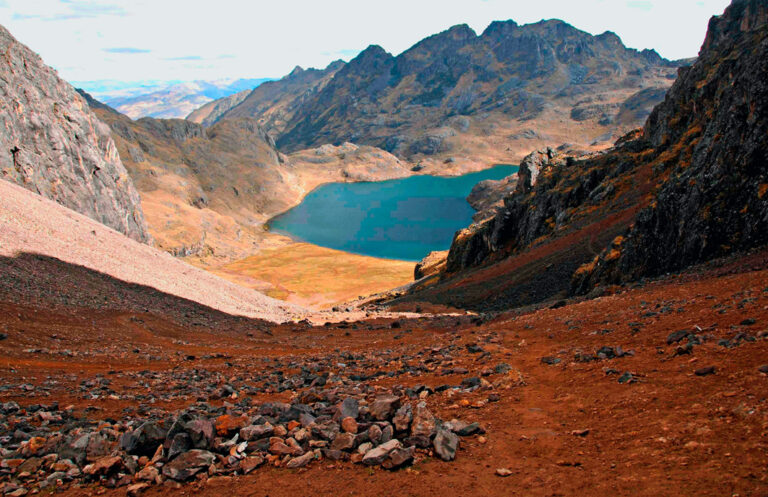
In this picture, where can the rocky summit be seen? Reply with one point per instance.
(469, 97)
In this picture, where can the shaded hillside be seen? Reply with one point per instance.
(712, 197)
(275, 102)
(211, 112)
(512, 88)
(51, 256)
(52, 144)
(689, 187)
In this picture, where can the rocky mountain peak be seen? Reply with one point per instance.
(499, 28)
(298, 70)
(741, 16)
(459, 32)
(371, 55)
(53, 145)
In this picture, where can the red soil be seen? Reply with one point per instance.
(672, 433)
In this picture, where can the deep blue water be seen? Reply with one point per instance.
(397, 219)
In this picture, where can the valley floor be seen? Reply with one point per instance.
(560, 418)
(312, 276)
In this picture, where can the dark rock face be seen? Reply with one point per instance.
(511, 227)
(52, 144)
(690, 187)
(713, 131)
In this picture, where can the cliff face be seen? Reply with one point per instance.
(53, 145)
(691, 186)
(712, 197)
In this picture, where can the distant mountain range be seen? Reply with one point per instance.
(164, 99)
(462, 97)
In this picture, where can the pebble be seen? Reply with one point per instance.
(503, 472)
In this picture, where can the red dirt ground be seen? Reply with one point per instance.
(671, 433)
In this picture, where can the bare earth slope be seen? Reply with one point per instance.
(52, 144)
(32, 224)
(686, 418)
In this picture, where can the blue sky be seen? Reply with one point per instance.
(134, 40)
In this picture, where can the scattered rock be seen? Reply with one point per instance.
(188, 464)
(104, 466)
(377, 455)
(446, 444)
(384, 407)
(301, 461)
(705, 371)
(398, 458)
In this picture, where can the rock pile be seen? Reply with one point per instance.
(44, 446)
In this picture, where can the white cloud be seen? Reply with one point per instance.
(193, 39)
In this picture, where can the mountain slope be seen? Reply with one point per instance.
(689, 187)
(274, 103)
(206, 192)
(54, 145)
(209, 113)
(713, 195)
(35, 225)
(512, 88)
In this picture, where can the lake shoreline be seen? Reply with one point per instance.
(445, 196)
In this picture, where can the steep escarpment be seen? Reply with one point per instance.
(689, 187)
(462, 96)
(53, 145)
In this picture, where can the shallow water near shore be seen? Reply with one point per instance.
(401, 219)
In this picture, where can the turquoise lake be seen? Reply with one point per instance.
(398, 219)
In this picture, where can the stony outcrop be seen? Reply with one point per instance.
(510, 228)
(433, 263)
(53, 145)
(712, 130)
